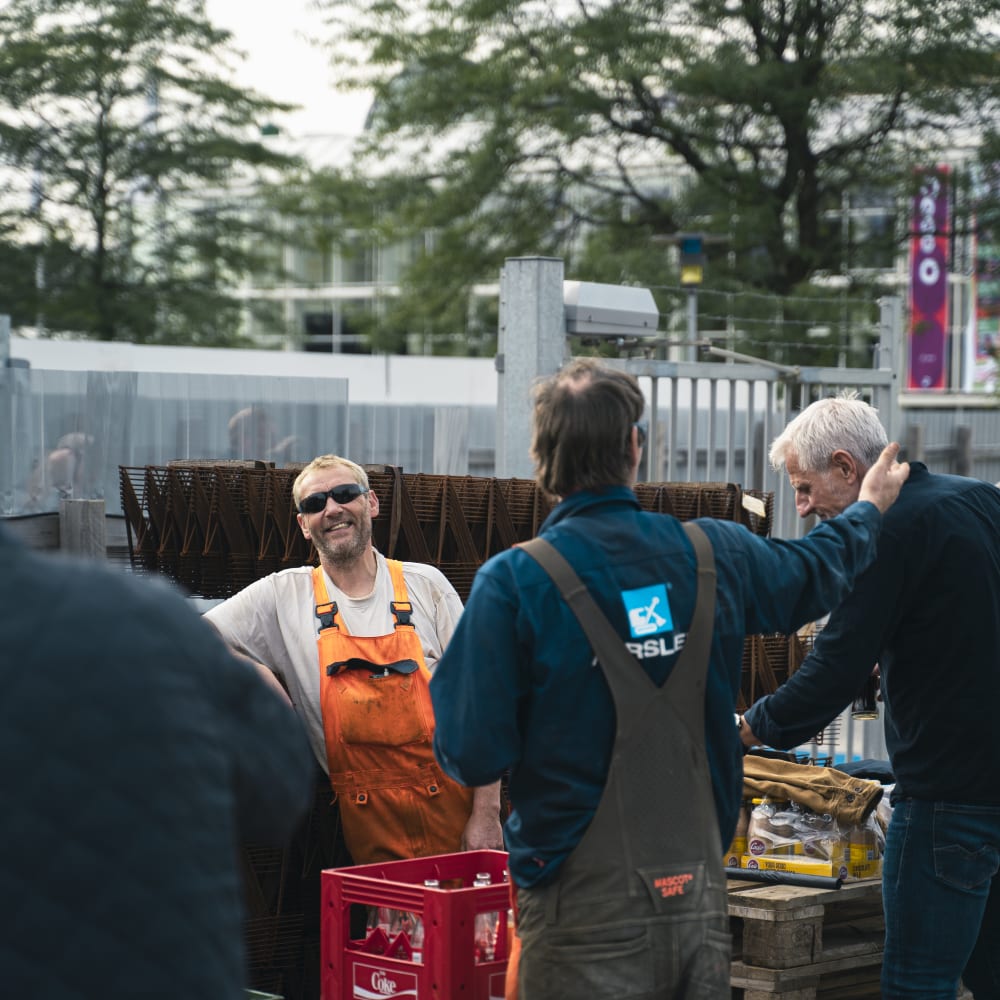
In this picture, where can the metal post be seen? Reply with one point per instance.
(963, 451)
(654, 457)
(890, 357)
(913, 443)
(4, 340)
(7, 397)
(82, 529)
(692, 326)
(531, 343)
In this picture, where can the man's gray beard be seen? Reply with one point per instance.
(347, 555)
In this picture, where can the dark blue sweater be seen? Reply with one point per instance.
(136, 755)
(517, 686)
(928, 612)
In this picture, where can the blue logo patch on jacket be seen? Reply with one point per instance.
(648, 610)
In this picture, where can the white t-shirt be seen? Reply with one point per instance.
(274, 621)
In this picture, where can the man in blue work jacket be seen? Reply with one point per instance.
(616, 831)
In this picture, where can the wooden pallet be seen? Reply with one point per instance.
(797, 943)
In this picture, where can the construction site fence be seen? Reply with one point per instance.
(69, 432)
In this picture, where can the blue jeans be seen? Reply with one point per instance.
(941, 895)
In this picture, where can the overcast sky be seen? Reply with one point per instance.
(283, 65)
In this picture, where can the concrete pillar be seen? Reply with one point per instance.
(531, 343)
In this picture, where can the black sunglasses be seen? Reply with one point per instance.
(342, 495)
(643, 428)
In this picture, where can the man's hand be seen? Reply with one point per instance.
(747, 736)
(884, 479)
(483, 831)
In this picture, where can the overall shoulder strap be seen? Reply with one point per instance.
(400, 606)
(704, 554)
(326, 610)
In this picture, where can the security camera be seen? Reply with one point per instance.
(595, 310)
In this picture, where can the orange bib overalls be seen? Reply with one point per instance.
(395, 801)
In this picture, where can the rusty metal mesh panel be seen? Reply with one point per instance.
(216, 526)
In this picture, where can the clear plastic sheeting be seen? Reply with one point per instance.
(70, 431)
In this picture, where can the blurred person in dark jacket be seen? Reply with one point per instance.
(137, 755)
(927, 611)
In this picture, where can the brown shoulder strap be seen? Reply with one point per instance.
(606, 642)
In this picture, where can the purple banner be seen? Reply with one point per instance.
(929, 282)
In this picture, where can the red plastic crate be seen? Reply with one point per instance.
(365, 969)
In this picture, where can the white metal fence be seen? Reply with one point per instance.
(715, 422)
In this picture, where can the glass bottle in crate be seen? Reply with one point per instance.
(486, 926)
(414, 926)
(508, 917)
(379, 917)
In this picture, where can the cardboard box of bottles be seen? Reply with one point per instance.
(813, 866)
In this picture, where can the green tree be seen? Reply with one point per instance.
(570, 127)
(120, 138)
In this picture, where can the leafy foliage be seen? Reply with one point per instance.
(593, 128)
(116, 125)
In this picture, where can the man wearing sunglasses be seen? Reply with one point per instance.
(353, 640)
